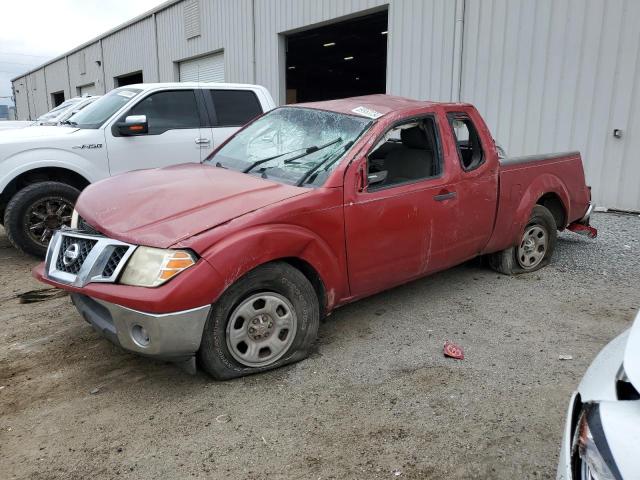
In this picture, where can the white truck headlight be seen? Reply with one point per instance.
(151, 267)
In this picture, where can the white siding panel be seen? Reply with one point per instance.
(225, 25)
(22, 98)
(93, 73)
(552, 76)
(131, 50)
(57, 79)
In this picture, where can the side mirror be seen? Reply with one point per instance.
(133, 125)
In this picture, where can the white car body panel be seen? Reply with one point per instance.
(620, 418)
(13, 124)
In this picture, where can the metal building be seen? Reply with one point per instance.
(547, 75)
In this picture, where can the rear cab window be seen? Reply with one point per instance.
(468, 144)
(232, 108)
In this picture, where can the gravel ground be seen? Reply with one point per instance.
(377, 399)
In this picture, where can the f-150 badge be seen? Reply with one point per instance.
(88, 145)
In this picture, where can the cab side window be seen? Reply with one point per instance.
(234, 108)
(408, 152)
(169, 110)
(467, 141)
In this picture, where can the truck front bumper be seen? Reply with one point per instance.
(585, 219)
(171, 336)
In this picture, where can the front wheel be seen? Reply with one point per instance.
(35, 212)
(535, 248)
(267, 319)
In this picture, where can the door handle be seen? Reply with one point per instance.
(202, 141)
(441, 197)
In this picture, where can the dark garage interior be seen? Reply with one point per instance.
(129, 79)
(339, 60)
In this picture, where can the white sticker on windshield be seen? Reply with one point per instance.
(126, 93)
(367, 112)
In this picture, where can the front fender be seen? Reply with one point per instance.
(243, 251)
(93, 167)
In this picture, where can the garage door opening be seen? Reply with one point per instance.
(57, 98)
(128, 79)
(340, 60)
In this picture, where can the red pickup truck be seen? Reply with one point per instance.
(306, 208)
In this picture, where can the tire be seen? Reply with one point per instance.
(40, 202)
(239, 316)
(535, 248)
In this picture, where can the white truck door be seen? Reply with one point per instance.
(175, 134)
(229, 110)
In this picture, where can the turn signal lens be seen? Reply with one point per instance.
(151, 267)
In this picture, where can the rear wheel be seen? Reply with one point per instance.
(35, 212)
(267, 319)
(535, 248)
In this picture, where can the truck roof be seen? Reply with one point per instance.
(368, 105)
(150, 86)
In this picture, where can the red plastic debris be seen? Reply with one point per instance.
(452, 350)
(586, 230)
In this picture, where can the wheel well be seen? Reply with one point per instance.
(41, 175)
(553, 203)
(313, 277)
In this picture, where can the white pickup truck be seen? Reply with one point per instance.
(43, 169)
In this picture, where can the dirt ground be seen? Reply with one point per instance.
(377, 399)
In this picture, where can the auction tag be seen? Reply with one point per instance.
(126, 93)
(367, 112)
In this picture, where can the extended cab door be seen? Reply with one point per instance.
(475, 161)
(395, 219)
(228, 110)
(175, 134)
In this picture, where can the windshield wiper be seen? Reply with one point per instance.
(69, 122)
(315, 168)
(307, 151)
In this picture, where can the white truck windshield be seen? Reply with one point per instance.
(94, 115)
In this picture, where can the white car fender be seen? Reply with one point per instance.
(35, 158)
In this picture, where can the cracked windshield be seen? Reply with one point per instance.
(293, 145)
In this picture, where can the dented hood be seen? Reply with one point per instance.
(161, 207)
(632, 354)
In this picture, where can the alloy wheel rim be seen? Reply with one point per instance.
(261, 329)
(533, 247)
(45, 216)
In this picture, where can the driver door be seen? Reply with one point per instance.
(393, 225)
(174, 135)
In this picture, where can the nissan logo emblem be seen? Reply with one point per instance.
(71, 254)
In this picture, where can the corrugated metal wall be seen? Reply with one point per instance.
(552, 76)
(225, 26)
(84, 68)
(57, 79)
(131, 50)
(548, 75)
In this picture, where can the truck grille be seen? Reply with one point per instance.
(83, 247)
(114, 261)
(76, 258)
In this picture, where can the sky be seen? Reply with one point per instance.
(34, 31)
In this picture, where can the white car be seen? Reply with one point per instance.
(44, 168)
(65, 110)
(56, 116)
(602, 431)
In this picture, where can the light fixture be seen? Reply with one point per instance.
(348, 58)
(357, 78)
(330, 44)
(384, 32)
(292, 67)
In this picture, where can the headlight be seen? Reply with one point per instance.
(150, 267)
(74, 219)
(593, 466)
